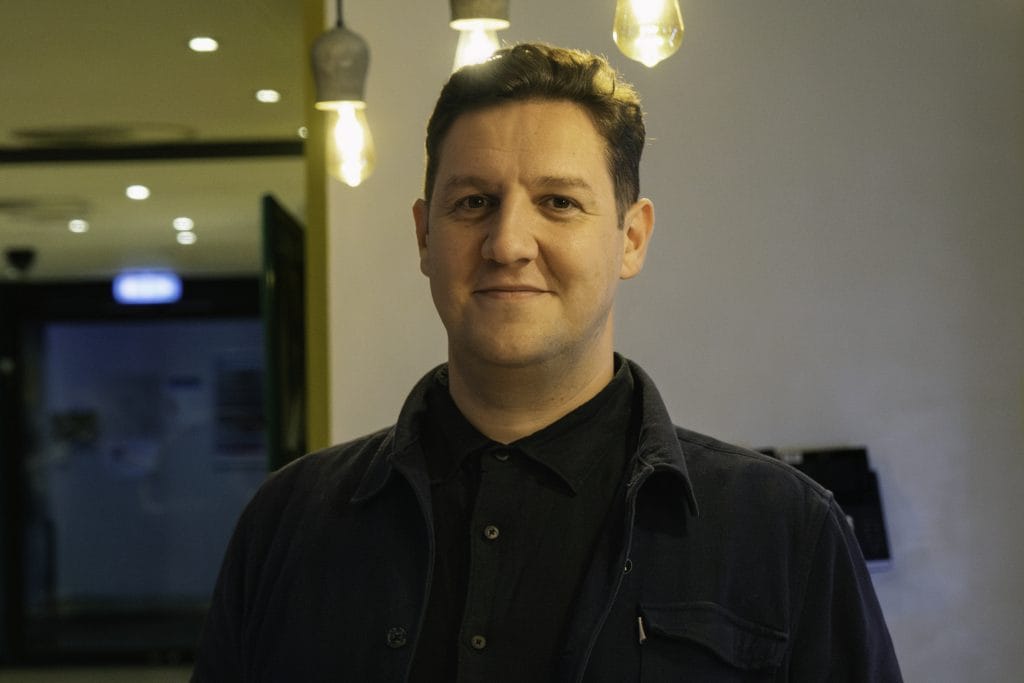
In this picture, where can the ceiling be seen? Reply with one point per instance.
(96, 96)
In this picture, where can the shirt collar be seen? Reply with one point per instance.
(570, 447)
(658, 449)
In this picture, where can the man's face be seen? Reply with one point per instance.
(521, 239)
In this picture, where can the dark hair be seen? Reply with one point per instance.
(537, 71)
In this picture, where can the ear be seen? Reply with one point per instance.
(420, 210)
(637, 226)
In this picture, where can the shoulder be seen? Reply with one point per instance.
(317, 481)
(708, 458)
(732, 484)
(725, 481)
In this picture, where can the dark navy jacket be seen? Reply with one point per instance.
(721, 565)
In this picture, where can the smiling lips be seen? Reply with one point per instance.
(509, 292)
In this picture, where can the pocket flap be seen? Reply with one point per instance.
(739, 642)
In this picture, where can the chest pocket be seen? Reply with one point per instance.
(703, 641)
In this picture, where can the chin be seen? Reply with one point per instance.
(508, 353)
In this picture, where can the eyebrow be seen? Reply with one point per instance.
(573, 182)
(457, 181)
(549, 181)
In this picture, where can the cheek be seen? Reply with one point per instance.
(450, 265)
(449, 258)
(587, 264)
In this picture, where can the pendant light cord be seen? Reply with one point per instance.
(341, 22)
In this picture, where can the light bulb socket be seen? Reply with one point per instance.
(340, 59)
(474, 10)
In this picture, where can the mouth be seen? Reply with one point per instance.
(509, 292)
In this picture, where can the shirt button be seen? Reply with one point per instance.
(501, 455)
(478, 642)
(396, 637)
(491, 532)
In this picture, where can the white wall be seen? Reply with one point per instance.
(839, 260)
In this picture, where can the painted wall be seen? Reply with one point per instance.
(838, 260)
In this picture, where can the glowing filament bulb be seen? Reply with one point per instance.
(475, 46)
(648, 30)
(350, 154)
(478, 37)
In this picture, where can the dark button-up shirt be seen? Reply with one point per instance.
(515, 526)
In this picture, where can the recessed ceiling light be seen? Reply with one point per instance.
(78, 225)
(203, 44)
(183, 223)
(186, 237)
(268, 95)
(137, 192)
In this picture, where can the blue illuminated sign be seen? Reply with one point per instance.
(147, 287)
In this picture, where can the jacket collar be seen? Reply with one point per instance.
(400, 447)
(658, 452)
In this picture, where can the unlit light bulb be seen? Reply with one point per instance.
(648, 30)
(351, 157)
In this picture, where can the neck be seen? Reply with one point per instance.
(507, 403)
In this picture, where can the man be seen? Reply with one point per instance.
(534, 515)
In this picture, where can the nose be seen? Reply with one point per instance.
(510, 233)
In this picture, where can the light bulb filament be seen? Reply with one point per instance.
(350, 153)
(475, 45)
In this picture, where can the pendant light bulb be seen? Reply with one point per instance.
(475, 46)
(648, 31)
(351, 156)
(478, 23)
(340, 60)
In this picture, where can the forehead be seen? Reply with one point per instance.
(527, 137)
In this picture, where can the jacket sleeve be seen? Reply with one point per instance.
(841, 634)
(218, 657)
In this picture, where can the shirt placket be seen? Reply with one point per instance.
(490, 526)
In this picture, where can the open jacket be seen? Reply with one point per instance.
(720, 564)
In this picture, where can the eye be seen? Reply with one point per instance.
(474, 202)
(560, 203)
